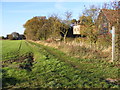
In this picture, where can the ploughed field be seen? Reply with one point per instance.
(27, 64)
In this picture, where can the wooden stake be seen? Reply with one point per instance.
(113, 43)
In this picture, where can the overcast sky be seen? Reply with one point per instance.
(15, 14)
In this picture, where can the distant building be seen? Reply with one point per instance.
(106, 19)
(21, 37)
(76, 30)
(15, 36)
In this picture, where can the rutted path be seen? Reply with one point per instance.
(61, 56)
(89, 67)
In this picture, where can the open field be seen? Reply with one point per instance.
(30, 65)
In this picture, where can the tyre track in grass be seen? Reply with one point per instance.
(31, 49)
(53, 72)
(21, 58)
(60, 56)
(10, 60)
(75, 65)
(20, 47)
(64, 58)
(68, 61)
(16, 53)
(17, 57)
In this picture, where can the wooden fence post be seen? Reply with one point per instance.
(113, 43)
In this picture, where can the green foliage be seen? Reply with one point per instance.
(34, 26)
(42, 29)
(90, 69)
(117, 41)
(73, 21)
(88, 29)
(104, 40)
(2, 37)
(10, 37)
(54, 26)
(54, 69)
(86, 20)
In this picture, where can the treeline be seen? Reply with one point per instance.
(42, 28)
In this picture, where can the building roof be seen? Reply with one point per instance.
(15, 33)
(111, 15)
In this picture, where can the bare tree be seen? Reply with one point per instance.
(68, 15)
(111, 5)
(92, 11)
(66, 24)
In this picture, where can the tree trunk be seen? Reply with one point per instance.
(64, 38)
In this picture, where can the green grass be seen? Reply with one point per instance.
(52, 68)
(100, 66)
(13, 48)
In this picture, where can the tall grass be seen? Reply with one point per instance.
(82, 48)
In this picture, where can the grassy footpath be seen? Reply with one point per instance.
(108, 69)
(90, 70)
(46, 67)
